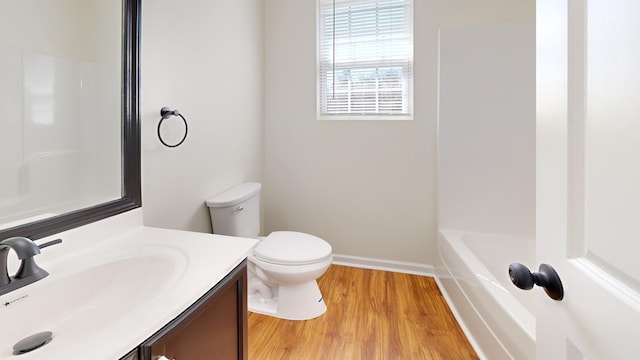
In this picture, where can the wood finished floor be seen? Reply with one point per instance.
(371, 315)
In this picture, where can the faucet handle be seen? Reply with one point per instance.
(49, 243)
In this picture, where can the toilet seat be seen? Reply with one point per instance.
(292, 248)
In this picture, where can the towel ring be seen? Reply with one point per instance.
(166, 113)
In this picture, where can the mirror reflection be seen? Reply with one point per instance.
(60, 105)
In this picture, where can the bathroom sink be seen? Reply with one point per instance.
(104, 287)
(106, 296)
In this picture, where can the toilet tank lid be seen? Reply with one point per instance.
(235, 195)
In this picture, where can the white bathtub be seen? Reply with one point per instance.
(497, 317)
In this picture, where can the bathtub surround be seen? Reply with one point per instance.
(486, 129)
(486, 182)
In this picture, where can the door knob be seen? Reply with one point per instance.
(546, 277)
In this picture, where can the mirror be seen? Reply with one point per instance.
(70, 146)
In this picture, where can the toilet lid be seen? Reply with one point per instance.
(292, 248)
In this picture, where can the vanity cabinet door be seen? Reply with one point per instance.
(215, 327)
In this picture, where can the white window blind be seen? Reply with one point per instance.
(365, 59)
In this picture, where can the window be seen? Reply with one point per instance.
(365, 52)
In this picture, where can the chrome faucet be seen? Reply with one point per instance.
(29, 272)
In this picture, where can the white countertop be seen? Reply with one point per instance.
(163, 272)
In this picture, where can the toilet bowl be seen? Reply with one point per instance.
(283, 266)
(288, 263)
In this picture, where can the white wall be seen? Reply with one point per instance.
(486, 155)
(204, 58)
(368, 188)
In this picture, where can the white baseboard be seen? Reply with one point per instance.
(386, 265)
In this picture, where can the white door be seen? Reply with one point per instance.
(588, 177)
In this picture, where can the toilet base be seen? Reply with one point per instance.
(297, 302)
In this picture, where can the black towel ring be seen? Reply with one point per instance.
(166, 113)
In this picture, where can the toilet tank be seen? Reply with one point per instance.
(236, 211)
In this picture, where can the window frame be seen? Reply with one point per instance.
(408, 89)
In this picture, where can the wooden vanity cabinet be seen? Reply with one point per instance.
(214, 327)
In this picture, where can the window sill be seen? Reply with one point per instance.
(365, 117)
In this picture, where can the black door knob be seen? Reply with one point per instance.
(546, 277)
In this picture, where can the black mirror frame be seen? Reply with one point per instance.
(131, 172)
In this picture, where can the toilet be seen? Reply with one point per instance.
(283, 266)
